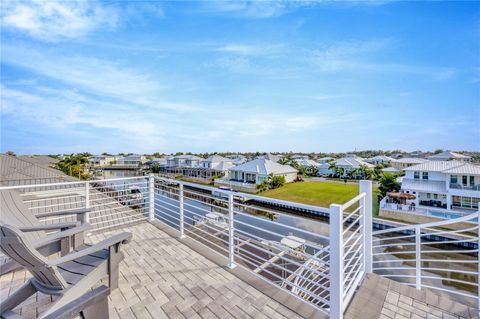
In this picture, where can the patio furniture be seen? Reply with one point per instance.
(47, 239)
(71, 277)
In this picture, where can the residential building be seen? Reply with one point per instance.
(402, 163)
(247, 176)
(307, 163)
(237, 159)
(100, 160)
(351, 164)
(449, 156)
(326, 159)
(271, 157)
(217, 162)
(380, 159)
(324, 170)
(184, 161)
(391, 170)
(443, 184)
(131, 160)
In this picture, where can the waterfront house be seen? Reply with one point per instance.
(380, 159)
(237, 159)
(247, 176)
(100, 160)
(132, 160)
(184, 161)
(443, 184)
(402, 163)
(217, 162)
(450, 156)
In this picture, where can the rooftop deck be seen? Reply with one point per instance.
(163, 278)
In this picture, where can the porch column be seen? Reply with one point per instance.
(449, 201)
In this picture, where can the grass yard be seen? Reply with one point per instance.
(319, 193)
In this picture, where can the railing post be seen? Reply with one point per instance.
(180, 204)
(418, 258)
(231, 242)
(87, 201)
(151, 197)
(336, 261)
(366, 222)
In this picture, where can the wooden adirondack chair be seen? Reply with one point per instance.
(71, 277)
(70, 235)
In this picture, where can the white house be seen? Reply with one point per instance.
(184, 161)
(351, 163)
(247, 176)
(307, 163)
(131, 160)
(237, 159)
(449, 156)
(217, 162)
(271, 157)
(402, 163)
(325, 159)
(100, 160)
(380, 159)
(443, 184)
(324, 169)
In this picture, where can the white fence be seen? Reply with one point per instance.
(320, 263)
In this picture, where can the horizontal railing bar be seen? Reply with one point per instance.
(352, 224)
(450, 291)
(391, 238)
(451, 279)
(392, 260)
(351, 214)
(466, 272)
(353, 201)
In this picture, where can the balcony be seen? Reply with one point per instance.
(199, 255)
(465, 187)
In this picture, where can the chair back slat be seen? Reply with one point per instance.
(14, 212)
(14, 244)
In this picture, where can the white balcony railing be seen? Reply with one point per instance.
(318, 263)
(230, 182)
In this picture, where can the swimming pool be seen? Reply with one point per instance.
(446, 215)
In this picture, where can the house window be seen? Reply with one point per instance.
(414, 193)
(435, 196)
(416, 175)
(429, 195)
(472, 180)
(425, 175)
(453, 179)
(464, 180)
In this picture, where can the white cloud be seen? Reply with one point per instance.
(251, 49)
(53, 20)
(104, 78)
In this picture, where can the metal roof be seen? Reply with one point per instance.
(263, 167)
(447, 167)
(448, 155)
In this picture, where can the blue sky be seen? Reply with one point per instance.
(239, 76)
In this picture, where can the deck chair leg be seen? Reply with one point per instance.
(116, 257)
(19, 296)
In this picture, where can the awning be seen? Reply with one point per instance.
(399, 195)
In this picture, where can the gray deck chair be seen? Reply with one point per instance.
(71, 277)
(70, 235)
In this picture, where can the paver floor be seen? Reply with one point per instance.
(163, 278)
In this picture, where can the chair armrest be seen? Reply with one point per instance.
(122, 238)
(65, 212)
(50, 227)
(60, 235)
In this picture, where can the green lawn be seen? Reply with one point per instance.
(319, 193)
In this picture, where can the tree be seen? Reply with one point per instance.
(313, 170)
(388, 183)
(271, 182)
(10, 153)
(366, 172)
(155, 168)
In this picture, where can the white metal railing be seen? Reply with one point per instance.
(323, 269)
(113, 202)
(318, 263)
(443, 256)
(228, 182)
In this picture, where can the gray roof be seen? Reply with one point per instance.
(447, 167)
(17, 170)
(381, 158)
(448, 155)
(263, 167)
(410, 160)
(217, 158)
(352, 162)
